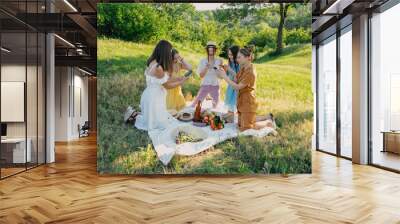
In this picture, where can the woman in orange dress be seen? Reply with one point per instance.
(246, 86)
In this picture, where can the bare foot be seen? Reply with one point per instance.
(263, 124)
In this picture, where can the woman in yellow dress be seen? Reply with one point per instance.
(175, 99)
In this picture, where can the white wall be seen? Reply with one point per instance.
(33, 127)
(10, 73)
(62, 81)
(80, 89)
(16, 73)
(70, 83)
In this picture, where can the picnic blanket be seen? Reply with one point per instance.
(166, 147)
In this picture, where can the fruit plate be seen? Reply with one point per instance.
(196, 132)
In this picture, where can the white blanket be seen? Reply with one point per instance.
(166, 147)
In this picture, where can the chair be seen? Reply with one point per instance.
(84, 130)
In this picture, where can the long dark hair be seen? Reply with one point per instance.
(235, 50)
(174, 52)
(163, 55)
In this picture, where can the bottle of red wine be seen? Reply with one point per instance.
(197, 113)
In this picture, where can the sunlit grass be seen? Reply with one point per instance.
(283, 87)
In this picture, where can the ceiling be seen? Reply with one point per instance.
(74, 22)
(328, 15)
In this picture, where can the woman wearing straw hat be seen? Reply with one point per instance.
(207, 70)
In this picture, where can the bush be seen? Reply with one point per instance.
(297, 36)
(133, 22)
(265, 39)
(226, 44)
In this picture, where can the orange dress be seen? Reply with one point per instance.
(246, 102)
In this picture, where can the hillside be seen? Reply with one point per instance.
(283, 87)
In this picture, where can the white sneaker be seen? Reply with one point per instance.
(128, 113)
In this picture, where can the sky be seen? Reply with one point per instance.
(206, 6)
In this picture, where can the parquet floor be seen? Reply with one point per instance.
(70, 191)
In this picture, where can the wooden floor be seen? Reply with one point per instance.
(10, 171)
(70, 191)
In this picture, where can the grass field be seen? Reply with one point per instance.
(283, 88)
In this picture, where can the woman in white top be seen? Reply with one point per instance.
(208, 72)
(154, 114)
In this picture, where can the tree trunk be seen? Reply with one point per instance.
(283, 8)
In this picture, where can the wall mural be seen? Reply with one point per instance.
(204, 88)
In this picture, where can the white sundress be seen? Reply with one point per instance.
(153, 104)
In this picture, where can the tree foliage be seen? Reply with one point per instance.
(233, 23)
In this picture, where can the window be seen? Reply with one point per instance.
(385, 88)
(22, 77)
(327, 95)
(346, 92)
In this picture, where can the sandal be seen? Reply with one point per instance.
(132, 118)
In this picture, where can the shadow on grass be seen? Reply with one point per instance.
(292, 117)
(270, 56)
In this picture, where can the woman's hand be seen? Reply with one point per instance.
(231, 71)
(183, 79)
(180, 59)
(225, 67)
(178, 81)
(221, 73)
(185, 64)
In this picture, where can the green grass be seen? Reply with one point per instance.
(283, 87)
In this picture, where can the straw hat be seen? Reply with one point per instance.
(211, 44)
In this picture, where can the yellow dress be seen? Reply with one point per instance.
(175, 99)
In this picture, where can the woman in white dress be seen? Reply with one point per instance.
(154, 114)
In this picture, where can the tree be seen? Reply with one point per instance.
(283, 9)
(233, 13)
